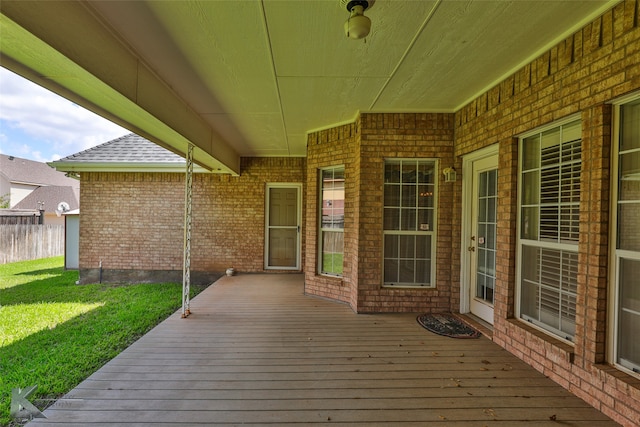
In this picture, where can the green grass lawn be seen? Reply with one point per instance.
(332, 262)
(54, 333)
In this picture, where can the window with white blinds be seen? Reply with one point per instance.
(549, 227)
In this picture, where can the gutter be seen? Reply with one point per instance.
(73, 167)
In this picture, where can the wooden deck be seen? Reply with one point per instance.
(256, 351)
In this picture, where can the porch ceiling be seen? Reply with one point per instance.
(251, 78)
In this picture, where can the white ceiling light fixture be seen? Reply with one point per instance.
(358, 25)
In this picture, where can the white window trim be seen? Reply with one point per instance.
(319, 219)
(616, 254)
(519, 241)
(433, 233)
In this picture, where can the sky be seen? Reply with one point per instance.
(37, 124)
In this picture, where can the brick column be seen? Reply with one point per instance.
(593, 246)
(504, 304)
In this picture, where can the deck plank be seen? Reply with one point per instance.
(256, 351)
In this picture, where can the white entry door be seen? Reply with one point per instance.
(482, 202)
(283, 227)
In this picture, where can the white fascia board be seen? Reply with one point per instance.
(34, 184)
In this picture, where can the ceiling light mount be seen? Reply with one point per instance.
(358, 25)
(349, 4)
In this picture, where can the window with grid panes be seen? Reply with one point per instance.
(332, 221)
(627, 238)
(409, 220)
(549, 225)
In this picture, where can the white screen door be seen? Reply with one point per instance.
(482, 242)
(283, 227)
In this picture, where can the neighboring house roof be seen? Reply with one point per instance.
(125, 154)
(51, 196)
(22, 171)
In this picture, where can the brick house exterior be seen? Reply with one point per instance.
(362, 147)
(132, 222)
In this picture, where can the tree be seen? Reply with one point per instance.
(4, 201)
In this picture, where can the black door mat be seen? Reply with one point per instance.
(447, 325)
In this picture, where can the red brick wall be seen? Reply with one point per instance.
(504, 297)
(407, 135)
(327, 148)
(578, 76)
(229, 213)
(134, 222)
(362, 147)
(117, 210)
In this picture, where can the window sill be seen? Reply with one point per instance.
(407, 287)
(552, 344)
(330, 276)
(625, 378)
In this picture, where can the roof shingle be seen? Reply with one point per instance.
(18, 170)
(51, 196)
(130, 148)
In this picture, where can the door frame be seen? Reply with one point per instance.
(298, 187)
(467, 221)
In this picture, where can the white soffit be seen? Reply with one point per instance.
(469, 46)
(257, 75)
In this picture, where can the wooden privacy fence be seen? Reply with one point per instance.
(333, 242)
(23, 242)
